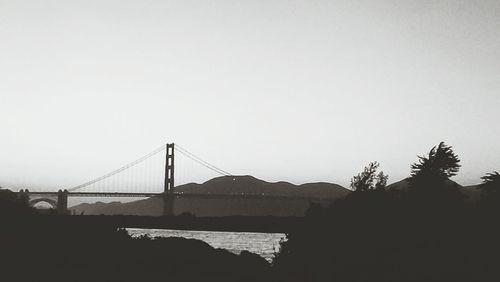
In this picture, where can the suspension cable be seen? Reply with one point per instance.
(199, 160)
(127, 166)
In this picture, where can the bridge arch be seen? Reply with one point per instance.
(49, 201)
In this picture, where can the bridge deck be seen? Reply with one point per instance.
(181, 195)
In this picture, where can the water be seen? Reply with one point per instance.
(263, 244)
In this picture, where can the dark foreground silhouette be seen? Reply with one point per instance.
(59, 248)
(388, 236)
(427, 232)
(372, 235)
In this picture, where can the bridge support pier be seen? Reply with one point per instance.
(62, 202)
(24, 196)
(168, 204)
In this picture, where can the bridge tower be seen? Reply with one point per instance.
(24, 196)
(168, 187)
(62, 202)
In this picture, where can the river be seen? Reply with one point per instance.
(263, 244)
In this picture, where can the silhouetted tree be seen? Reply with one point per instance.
(429, 179)
(490, 189)
(441, 163)
(369, 179)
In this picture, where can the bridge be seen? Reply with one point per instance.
(59, 199)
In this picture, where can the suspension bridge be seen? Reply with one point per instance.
(152, 175)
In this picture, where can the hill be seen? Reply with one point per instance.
(250, 185)
(405, 183)
(228, 185)
(471, 192)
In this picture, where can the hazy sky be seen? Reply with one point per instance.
(284, 90)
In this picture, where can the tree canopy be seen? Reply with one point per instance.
(441, 163)
(369, 179)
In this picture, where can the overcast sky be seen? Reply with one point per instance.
(298, 91)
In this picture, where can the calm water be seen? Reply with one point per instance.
(263, 244)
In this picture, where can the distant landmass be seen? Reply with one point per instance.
(472, 192)
(228, 185)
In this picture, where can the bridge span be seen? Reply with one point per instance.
(59, 199)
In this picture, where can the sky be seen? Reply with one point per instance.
(300, 91)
